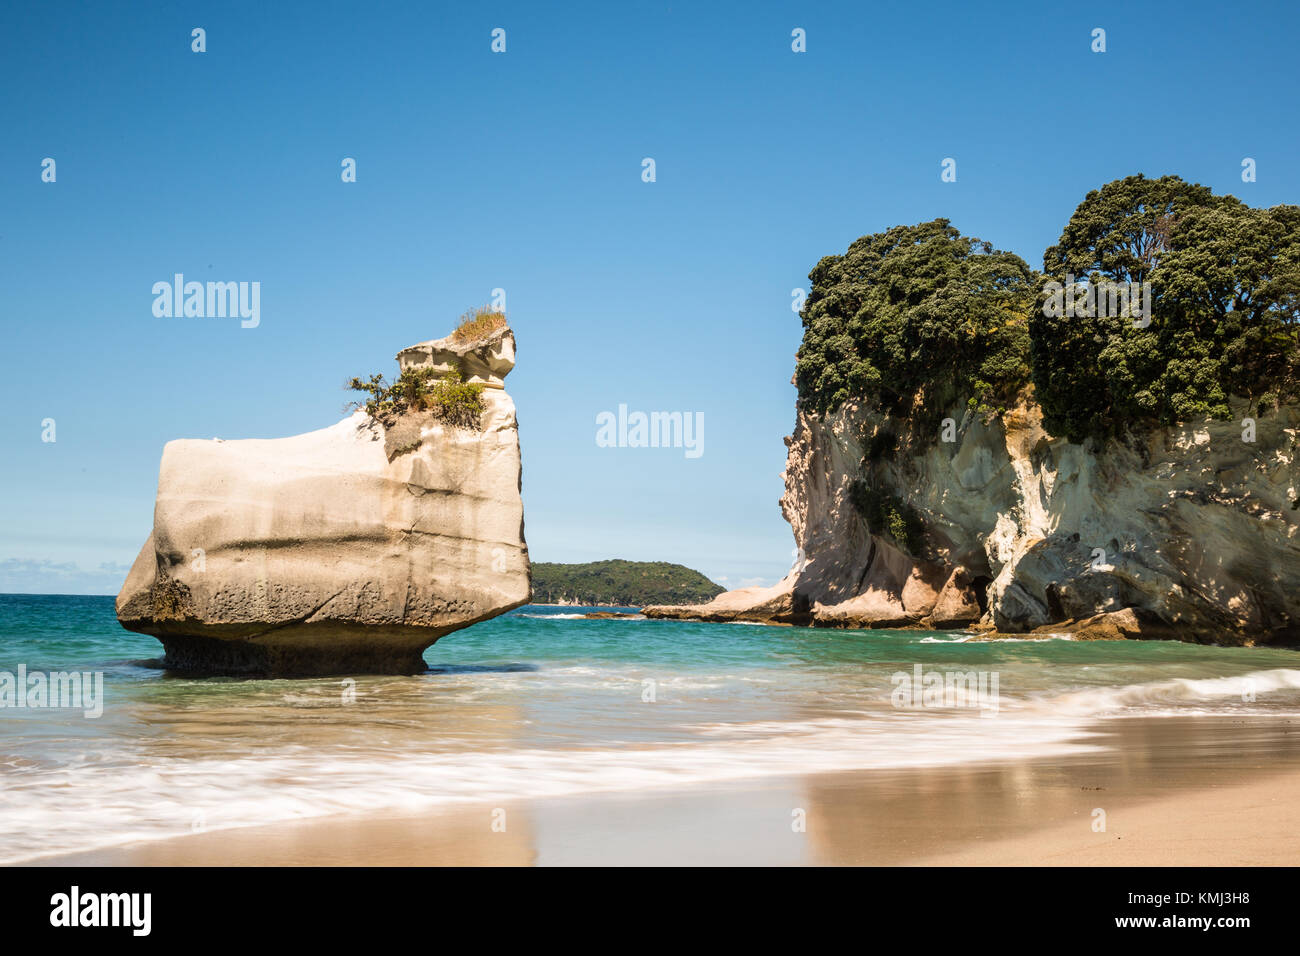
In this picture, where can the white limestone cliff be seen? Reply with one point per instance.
(1191, 532)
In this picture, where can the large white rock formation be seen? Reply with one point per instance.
(342, 550)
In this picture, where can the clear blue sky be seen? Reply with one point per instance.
(522, 171)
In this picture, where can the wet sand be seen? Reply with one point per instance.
(1174, 791)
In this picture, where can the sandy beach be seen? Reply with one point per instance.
(1175, 792)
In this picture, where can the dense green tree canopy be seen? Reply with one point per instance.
(910, 307)
(1224, 279)
(1120, 230)
(923, 308)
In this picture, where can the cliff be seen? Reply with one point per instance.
(1190, 531)
(982, 444)
(346, 550)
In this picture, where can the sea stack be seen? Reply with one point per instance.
(346, 550)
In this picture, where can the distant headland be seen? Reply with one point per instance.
(618, 583)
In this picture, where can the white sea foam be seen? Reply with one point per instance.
(92, 806)
(104, 800)
(1103, 700)
(1027, 639)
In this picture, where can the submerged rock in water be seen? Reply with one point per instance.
(774, 605)
(317, 554)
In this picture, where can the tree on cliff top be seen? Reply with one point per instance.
(925, 308)
(1225, 281)
(912, 307)
(1122, 230)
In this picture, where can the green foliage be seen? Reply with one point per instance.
(888, 514)
(477, 323)
(621, 583)
(1121, 230)
(455, 401)
(1226, 284)
(915, 307)
(919, 316)
(422, 388)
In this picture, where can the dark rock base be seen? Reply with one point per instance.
(206, 656)
(300, 652)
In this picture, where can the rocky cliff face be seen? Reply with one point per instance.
(345, 550)
(1190, 532)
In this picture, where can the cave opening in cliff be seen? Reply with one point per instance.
(980, 585)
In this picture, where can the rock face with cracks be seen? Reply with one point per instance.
(1190, 532)
(329, 553)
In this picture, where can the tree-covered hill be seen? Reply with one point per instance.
(623, 583)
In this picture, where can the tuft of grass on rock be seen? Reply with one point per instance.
(478, 323)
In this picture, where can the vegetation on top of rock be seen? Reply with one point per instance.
(922, 316)
(1225, 292)
(422, 388)
(915, 307)
(621, 583)
(478, 323)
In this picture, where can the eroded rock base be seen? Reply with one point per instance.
(304, 651)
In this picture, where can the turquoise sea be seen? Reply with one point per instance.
(541, 702)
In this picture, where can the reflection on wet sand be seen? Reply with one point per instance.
(1179, 791)
(921, 816)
